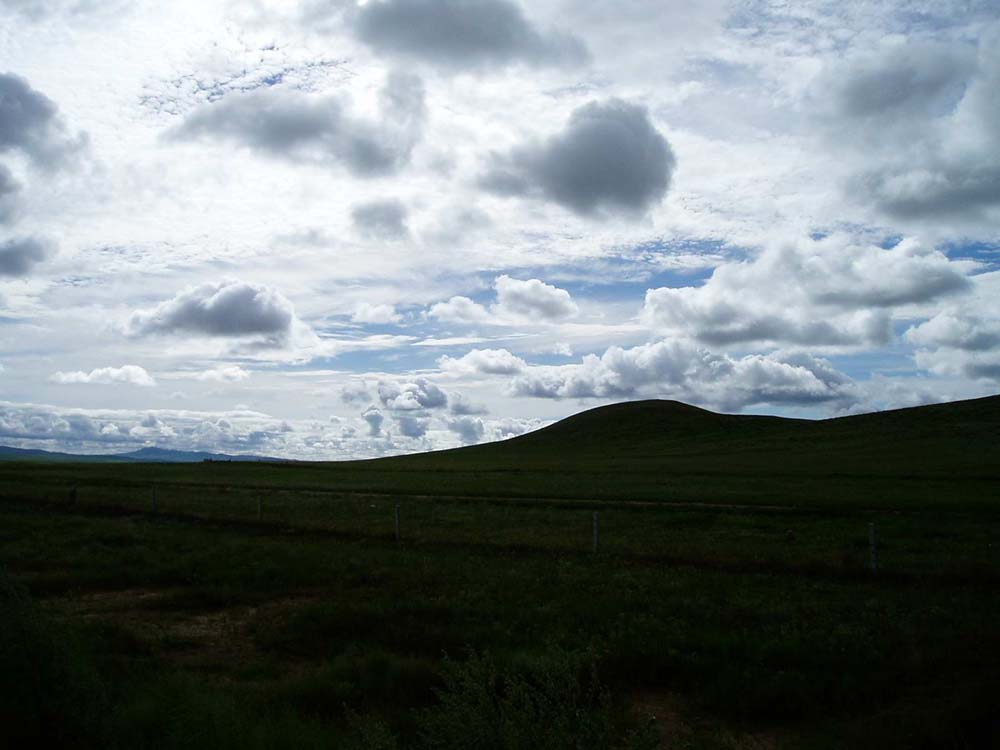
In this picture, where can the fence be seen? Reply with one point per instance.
(745, 537)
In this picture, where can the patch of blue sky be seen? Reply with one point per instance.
(986, 253)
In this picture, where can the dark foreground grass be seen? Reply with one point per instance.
(157, 632)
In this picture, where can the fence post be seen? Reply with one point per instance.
(73, 495)
(397, 522)
(873, 548)
(153, 498)
(260, 508)
(597, 532)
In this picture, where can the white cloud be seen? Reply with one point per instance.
(681, 370)
(128, 374)
(483, 362)
(459, 310)
(365, 312)
(818, 293)
(532, 299)
(225, 374)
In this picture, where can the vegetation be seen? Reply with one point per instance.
(742, 614)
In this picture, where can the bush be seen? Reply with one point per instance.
(556, 703)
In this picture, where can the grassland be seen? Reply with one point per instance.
(264, 605)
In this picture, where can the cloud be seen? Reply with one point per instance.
(355, 392)
(462, 34)
(30, 124)
(828, 292)
(127, 374)
(295, 126)
(469, 429)
(381, 219)
(411, 396)
(19, 257)
(375, 314)
(9, 192)
(685, 371)
(411, 425)
(963, 340)
(484, 362)
(459, 310)
(460, 405)
(921, 122)
(374, 418)
(532, 299)
(228, 308)
(608, 159)
(227, 374)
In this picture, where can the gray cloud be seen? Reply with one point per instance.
(228, 308)
(460, 405)
(292, 125)
(469, 429)
(411, 396)
(381, 219)
(411, 425)
(30, 123)
(462, 34)
(9, 191)
(918, 78)
(609, 158)
(19, 257)
(922, 120)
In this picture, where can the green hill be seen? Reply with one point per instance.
(961, 438)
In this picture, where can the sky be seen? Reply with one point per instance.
(327, 229)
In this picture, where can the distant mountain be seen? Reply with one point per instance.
(143, 455)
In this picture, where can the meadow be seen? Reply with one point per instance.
(731, 601)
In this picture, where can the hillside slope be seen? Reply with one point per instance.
(960, 438)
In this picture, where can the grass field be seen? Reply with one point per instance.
(730, 603)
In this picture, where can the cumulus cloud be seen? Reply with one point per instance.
(459, 309)
(922, 122)
(127, 374)
(375, 314)
(608, 159)
(374, 418)
(381, 219)
(30, 124)
(963, 340)
(228, 308)
(19, 257)
(828, 292)
(412, 395)
(682, 370)
(462, 34)
(532, 299)
(469, 429)
(412, 425)
(292, 125)
(483, 362)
